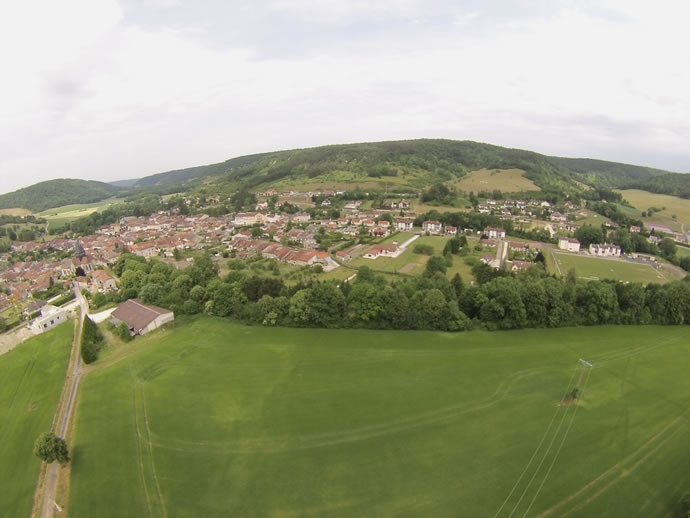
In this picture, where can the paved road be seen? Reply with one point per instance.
(48, 507)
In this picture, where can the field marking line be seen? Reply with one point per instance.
(138, 442)
(150, 445)
(624, 473)
(553, 418)
(534, 475)
(558, 451)
(613, 468)
(281, 444)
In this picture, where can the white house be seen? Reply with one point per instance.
(495, 233)
(569, 244)
(605, 250)
(404, 225)
(383, 251)
(433, 227)
(51, 317)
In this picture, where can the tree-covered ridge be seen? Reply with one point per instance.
(673, 184)
(409, 164)
(602, 173)
(56, 193)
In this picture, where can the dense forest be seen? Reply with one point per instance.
(602, 173)
(56, 193)
(673, 184)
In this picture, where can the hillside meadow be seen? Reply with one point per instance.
(212, 418)
(504, 180)
(31, 377)
(643, 200)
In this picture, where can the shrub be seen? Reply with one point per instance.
(423, 249)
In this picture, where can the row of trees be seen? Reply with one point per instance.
(498, 300)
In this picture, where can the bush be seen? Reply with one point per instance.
(123, 332)
(423, 249)
(91, 341)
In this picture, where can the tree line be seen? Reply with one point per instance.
(497, 300)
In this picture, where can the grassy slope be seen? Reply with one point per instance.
(32, 375)
(642, 200)
(58, 216)
(56, 193)
(218, 419)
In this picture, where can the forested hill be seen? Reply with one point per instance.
(56, 193)
(413, 164)
(674, 184)
(606, 174)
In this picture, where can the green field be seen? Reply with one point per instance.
(218, 419)
(597, 268)
(504, 180)
(672, 205)
(31, 377)
(62, 215)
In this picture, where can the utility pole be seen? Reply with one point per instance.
(585, 364)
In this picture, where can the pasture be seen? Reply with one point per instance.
(504, 180)
(62, 215)
(588, 267)
(218, 419)
(32, 375)
(643, 200)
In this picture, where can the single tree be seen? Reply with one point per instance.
(50, 448)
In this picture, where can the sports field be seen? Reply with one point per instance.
(31, 377)
(588, 267)
(219, 419)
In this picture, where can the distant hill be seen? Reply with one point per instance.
(409, 164)
(674, 184)
(56, 193)
(606, 174)
(180, 176)
(124, 184)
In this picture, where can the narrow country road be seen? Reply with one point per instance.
(63, 413)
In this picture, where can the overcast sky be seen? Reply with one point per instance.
(108, 89)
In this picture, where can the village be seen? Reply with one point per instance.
(306, 237)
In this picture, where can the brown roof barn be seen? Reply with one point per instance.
(141, 318)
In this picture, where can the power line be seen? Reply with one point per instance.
(529, 463)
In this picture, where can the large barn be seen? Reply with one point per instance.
(141, 318)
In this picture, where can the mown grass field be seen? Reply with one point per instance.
(598, 268)
(504, 180)
(31, 377)
(62, 215)
(219, 419)
(643, 200)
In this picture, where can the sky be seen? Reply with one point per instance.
(116, 89)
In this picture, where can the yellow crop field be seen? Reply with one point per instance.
(15, 212)
(504, 180)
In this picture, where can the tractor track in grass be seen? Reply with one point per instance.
(303, 442)
(620, 470)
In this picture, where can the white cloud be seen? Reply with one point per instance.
(92, 94)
